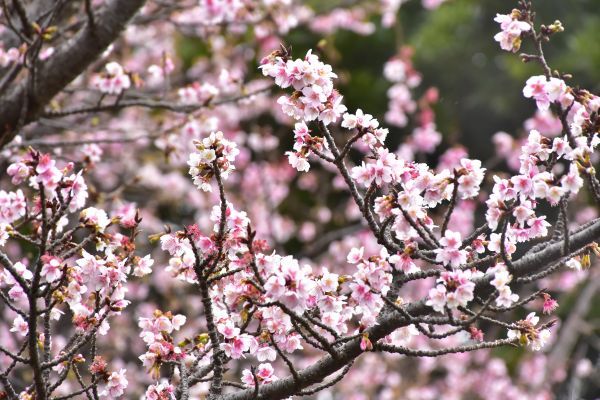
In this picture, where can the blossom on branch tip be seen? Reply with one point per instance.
(512, 28)
(212, 152)
(550, 305)
(314, 96)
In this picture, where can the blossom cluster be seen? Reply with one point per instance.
(371, 280)
(12, 207)
(512, 29)
(519, 195)
(401, 106)
(422, 188)
(368, 128)
(272, 289)
(213, 152)
(258, 307)
(283, 15)
(502, 278)
(160, 391)
(157, 334)
(115, 386)
(304, 144)
(179, 245)
(451, 252)
(454, 289)
(114, 81)
(41, 169)
(353, 20)
(509, 148)
(546, 91)
(198, 93)
(314, 97)
(264, 374)
(400, 71)
(90, 284)
(580, 107)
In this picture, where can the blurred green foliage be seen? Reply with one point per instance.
(480, 84)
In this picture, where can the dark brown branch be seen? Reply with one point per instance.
(450, 206)
(150, 104)
(90, 13)
(26, 24)
(439, 352)
(70, 59)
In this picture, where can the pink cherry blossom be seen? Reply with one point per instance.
(512, 29)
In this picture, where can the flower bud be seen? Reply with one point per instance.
(556, 27)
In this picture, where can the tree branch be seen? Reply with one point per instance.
(70, 59)
(391, 320)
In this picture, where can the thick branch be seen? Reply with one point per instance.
(70, 59)
(392, 320)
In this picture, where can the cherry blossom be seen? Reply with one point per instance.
(544, 91)
(158, 242)
(454, 289)
(451, 253)
(512, 29)
(312, 81)
(212, 152)
(161, 391)
(550, 305)
(527, 333)
(115, 385)
(20, 326)
(114, 81)
(264, 374)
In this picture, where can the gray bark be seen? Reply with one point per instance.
(70, 59)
